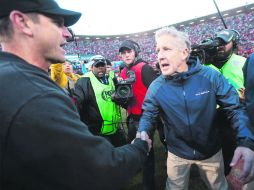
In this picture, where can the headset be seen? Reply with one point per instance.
(235, 38)
(135, 46)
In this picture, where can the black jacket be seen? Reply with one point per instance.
(43, 143)
(87, 107)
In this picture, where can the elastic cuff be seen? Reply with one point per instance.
(246, 142)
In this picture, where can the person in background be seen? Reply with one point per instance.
(226, 61)
(186, 95)
(230, 65)
(96, 109)
(83, 67)
(108, 66)
(44, 145)
(62, 74)
(109, 72)
(141, 74)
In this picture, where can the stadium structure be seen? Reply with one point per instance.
(240, 19)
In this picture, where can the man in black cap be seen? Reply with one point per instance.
(226, 61)
(96, 108)
(144, 75)
(230, 65)
(44, 145)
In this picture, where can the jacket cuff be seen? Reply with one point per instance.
(246, 142)
(144, 143)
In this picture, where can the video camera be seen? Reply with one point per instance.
(123, 91)
(207, 50)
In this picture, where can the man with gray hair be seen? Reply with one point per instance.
(43, 143)
(186, 96)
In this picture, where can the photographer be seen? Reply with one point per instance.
(96, 109)
(144, 75)
(225, 59)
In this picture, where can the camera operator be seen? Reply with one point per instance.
(96, 109)
(144, 75)
(225, 59)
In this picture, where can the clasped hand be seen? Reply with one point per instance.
(144, 136)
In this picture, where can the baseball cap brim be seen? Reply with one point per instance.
(99, 63)
(225, 38)
(225, 35)
(124, 48)
(126, 45)
(70, 17)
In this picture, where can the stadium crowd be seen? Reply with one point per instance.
(244, 23)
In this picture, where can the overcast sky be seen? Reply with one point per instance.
(112, 17)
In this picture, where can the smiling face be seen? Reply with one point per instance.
(38, 38)
(171, 55)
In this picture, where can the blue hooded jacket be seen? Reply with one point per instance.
(187, 103)
(248, 71)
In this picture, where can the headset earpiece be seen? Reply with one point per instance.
(236, 38)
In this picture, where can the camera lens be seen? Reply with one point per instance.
(124, 91)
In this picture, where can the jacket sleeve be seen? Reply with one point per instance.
(148, 75)
(248, 71)
(55, 144)
(228, 99)
(58, 75)
(150, 112)
(81, 94)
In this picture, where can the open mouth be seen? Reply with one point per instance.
(62, 45)
(164, 65)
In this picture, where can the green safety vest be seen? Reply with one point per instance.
(232, 70)
(109, 111)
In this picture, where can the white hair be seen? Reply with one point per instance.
(181, 37)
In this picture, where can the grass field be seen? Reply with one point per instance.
(161, 173)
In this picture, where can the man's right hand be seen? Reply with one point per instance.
(144, 136)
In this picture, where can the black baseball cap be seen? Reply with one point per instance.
(126, 45)
(39, 6)
(97, 60)
(225, 35)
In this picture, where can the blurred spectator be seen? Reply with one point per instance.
(198, 32)
(83, 67)
(63, 75)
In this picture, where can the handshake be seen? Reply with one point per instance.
(144, 136)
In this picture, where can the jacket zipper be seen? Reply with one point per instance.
(188, 117)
